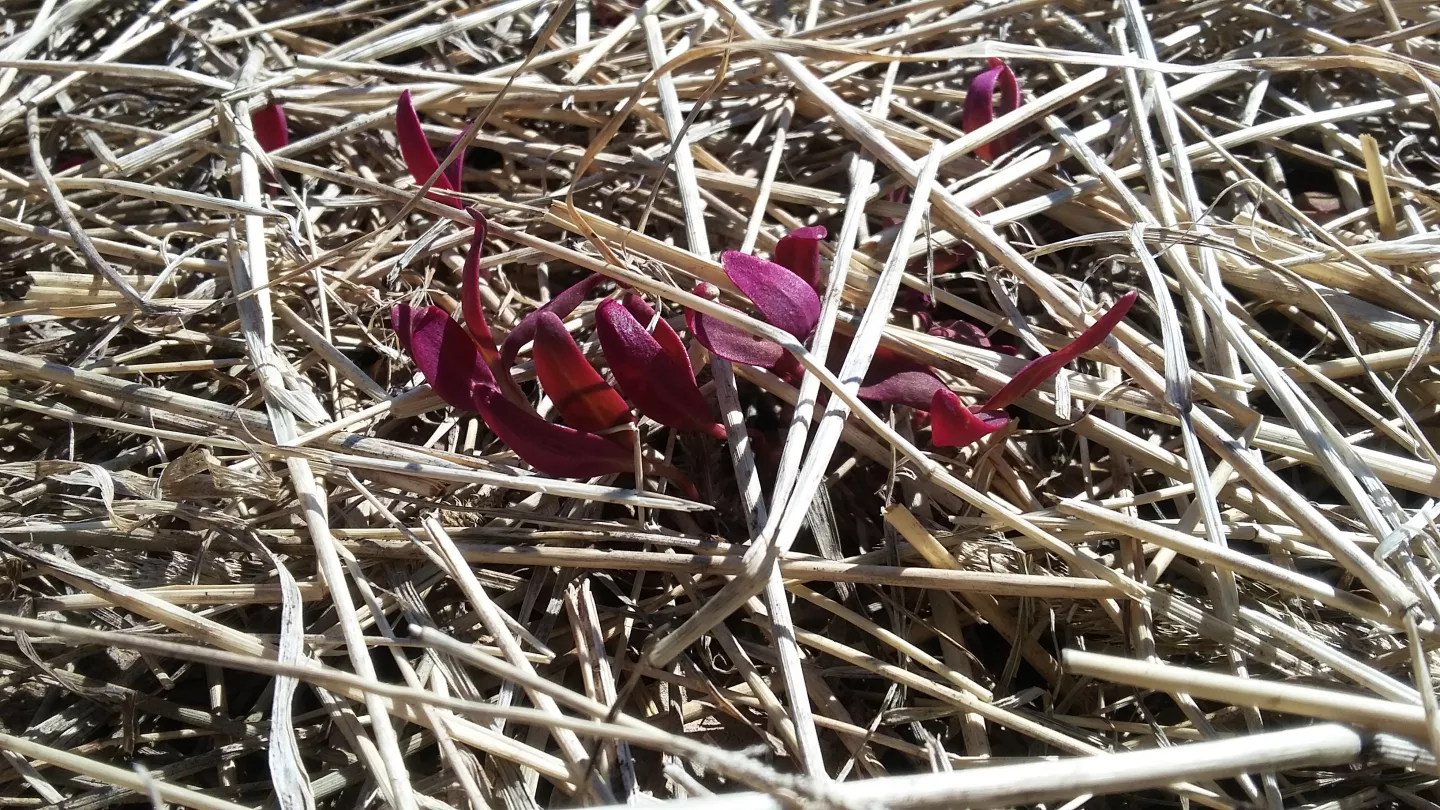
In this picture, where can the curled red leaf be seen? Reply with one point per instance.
(470, 305)
(661, 331)
(272, 130)
(979, 107)
(580, 394)
(1041, 369)
(450, 362)
(455, 172)
(648, 374)
(443, 352)
(799, 252)
(560, 306)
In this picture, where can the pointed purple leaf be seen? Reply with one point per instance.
(470, 305)
(561, 306)
(415, 149)
(799, 252)
(1041, 369)
(898, 380)
(455, 172)
(661, 331)
(782, 297)
(443, 351)
(550, 448)
(561, 451)
(649, 376)
(979, 107)
(954, 425)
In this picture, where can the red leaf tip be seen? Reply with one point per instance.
(1037, 371)
(419, 158)
(272, 129)
(979, 108)
(954, 425)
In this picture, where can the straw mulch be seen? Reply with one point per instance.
(250, 560)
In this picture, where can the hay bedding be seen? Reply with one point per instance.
(251, 560)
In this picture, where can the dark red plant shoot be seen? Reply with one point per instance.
(649, 361)
(652, 368)
(468, 372)
(420, 159)
(979, 107)
(272, 129)
(784, 300)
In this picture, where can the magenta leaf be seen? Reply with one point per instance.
(559, 450)
(415, 149)
(272, 130)
(580, 394)
(444, 353)
(470, 305)
(979, 107)
(896, 379)
(785, 299)
(1041, 369)
(661, 331)
(560, 306)
(661, 388)
(739, 346)
(550, 448)
(954, 425)
(799, 252)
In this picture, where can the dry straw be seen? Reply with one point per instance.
(253, 560)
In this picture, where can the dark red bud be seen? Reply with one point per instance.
(799, 252)
(1041, 369)
(979, 108)
(415, 149)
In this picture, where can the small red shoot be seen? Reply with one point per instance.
(1041, 369)
(272, 130)
(561, 306)
(419, 157)
(953, 425)
(470, 304)
(979, 107)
